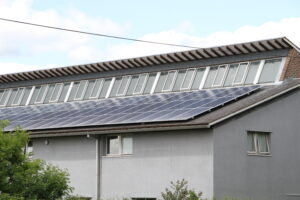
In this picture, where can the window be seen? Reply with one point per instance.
(231, 74)
(4, 94)
(240, 74)
(270, 71)
(211, 77)
(93, 89)
(179, 79)
(15, 97)
(198, 78)
(39, 94)
(169, 82)
(252, 71)
(149, 83)
(220, 76)
(188, 78)
(117, 145)
(258, 143)
(140, 84)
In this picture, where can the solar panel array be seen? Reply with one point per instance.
(139, 109)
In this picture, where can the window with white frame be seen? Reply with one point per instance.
(258, 143)
(119, 145)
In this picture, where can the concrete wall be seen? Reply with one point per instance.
(77, 154)
(157, 159)
(276, 177)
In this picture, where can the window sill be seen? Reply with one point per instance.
(261, 155)
(117, 155)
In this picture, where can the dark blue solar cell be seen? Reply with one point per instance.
(128, 110)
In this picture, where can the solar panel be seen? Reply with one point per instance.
(129, 110)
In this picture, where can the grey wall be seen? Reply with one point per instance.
(260, 178)
(158, 158)
(77, 155)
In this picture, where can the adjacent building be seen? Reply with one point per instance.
(226, 119)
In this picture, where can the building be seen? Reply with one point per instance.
(224, 118)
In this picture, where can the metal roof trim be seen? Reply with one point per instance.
(159, 59)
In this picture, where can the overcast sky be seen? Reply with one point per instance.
(198, 23)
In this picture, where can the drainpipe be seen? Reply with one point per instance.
(98, 167)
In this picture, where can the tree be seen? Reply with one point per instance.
(179, 191)
(22, 177)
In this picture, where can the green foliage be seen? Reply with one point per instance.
(179, 191)
(9, 197)
(23, 177)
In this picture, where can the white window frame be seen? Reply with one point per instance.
(223, 78)
(155, 82)
(99, 90)
(244, 75)
(126, 86)
(172, 83)
(44, 95)
(256, 145)
(30, 96)
(191, 81)
(83, 91)
(7, 97)
(207, 69)
(112, 82)
(143, 85)
(21, 97)
(58, 94)
(69, 92)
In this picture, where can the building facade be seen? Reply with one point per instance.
(223, 118)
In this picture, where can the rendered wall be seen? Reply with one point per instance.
(77, 154)
(158, 158)
(276, 177)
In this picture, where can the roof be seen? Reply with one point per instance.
(122, 111)
(191, 55)
(250, 98)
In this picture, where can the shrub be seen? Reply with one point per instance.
(179, 191)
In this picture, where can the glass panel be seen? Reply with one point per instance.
(132, 85)
(49, 93)
(210, 77)
(242, 69)
(127, 145)
(270, 71)
(251, 142)
(198, 78)
(231, 74)
(12, 97)
(123, 87)
(262, 143)
(115, 87)
(81, 90)
(169, 81)
(179, 80)
(56, 92)
(41, 95)
(253, 67)
(113, 145)
(64, 92)
(89, 88)
(18, 98)
(25, 96)
(105, 87)
(4, 97)
(73, 91)
(188, 79)
(97, 89)
(149, 83)
(141, 84)
(161, 81)
(220, 76)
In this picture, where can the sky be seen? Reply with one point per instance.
(197, 23)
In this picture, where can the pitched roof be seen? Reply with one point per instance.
(197, 54)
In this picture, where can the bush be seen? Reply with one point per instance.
(23, 177)
(179, 191)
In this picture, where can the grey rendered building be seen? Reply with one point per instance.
(224, 118)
